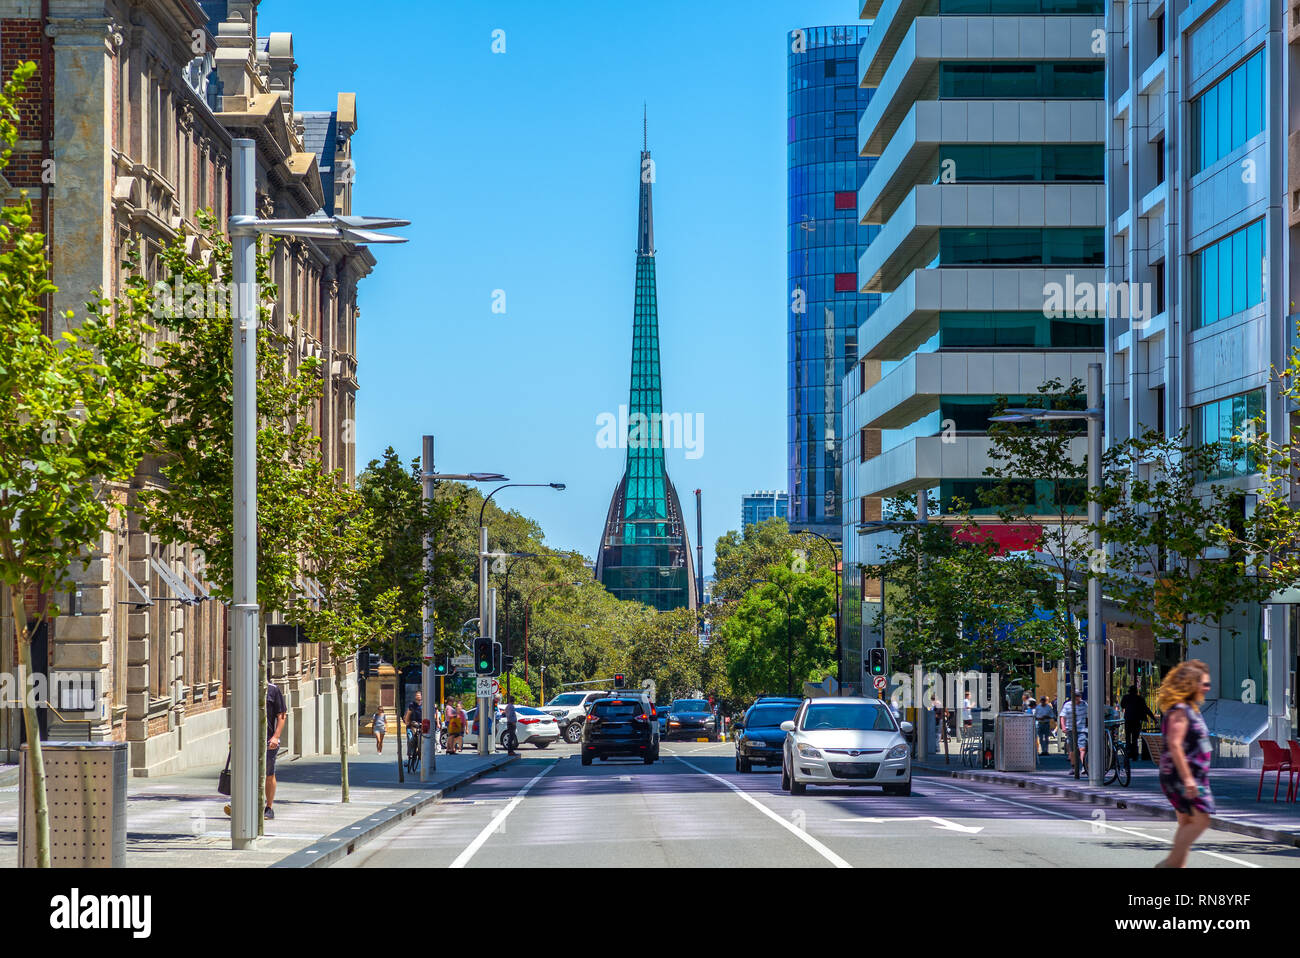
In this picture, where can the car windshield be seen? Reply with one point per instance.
(690, 705)
(568, 698)
(617, 709)
(770, 716)
(526, 710)
(848, 715)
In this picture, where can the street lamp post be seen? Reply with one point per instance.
(789, 634)
(429, 477)
(528, 609)
(484, 704)
(839, 642)
(244, 229)
(1096, 649)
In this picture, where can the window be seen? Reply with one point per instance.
(846, 282)
(1022, 163)
(862, 445)
(1228, 275)
(1226, 422)
(1159, 424)
(1160, 160)
(1229, 113)
(1160, 34)
(846, 200)
(1014, 247)
(1158, 281)
(1026, 80)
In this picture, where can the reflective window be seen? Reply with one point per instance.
(1021, 163)
(1229, 113)
(964, 330)
(1013, 247)
(1229, 422)
(1024, 80)
(1228, 275)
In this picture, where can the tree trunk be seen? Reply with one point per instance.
(343, 739)
(35, 759)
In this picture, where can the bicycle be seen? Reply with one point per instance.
(413, 747)
(1118, 767)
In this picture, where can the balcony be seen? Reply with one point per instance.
(926, 461)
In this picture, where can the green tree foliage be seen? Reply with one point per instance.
(74, 416)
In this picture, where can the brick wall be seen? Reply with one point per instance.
(21, 40)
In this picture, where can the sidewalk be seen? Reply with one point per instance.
(1233, 788)
(178, 821)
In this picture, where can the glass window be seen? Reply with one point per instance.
(1255, 255)
(1229, 113)
(1225, 422)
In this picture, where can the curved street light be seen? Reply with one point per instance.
(837, 561)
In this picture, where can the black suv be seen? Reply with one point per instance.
(759, 739)
(621, 725)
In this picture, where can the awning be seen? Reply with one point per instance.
(173, 581)
(1235, 721)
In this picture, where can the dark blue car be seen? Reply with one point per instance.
(759, 740)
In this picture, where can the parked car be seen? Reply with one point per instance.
(532, 727)
(760, 740)
(692, 718)
(846, 741)
(569, 709)
(661, 713)
(623, 725)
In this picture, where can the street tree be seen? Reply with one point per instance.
(74, 418)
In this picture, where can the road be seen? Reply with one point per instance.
(693, 809)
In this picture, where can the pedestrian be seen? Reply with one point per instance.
(277, 713)
(1074, 716)
(1043, 720)
(1027, 702)
(1136, 711)
(462, 723)
(1185, 761)
(379, 723)
(966, 711)
(449, 719)
(512, 726)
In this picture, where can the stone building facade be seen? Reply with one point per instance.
(126, 134)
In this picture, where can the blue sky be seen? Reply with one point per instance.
(520, 173)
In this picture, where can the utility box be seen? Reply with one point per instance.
(1014, 746)
(85, 791)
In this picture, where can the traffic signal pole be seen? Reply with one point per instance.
(486, 707)
(429, 759)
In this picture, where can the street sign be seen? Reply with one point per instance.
(463, 661)
(486, 687)
(880, 682)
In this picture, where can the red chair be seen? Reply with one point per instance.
(1275, 760)
(1294, 790)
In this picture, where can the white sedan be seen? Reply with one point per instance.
(533, 727)
(846, 741)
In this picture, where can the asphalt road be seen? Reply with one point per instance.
(693, 809)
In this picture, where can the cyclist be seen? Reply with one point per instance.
(414, 719)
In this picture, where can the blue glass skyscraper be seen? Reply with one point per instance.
(823, 306)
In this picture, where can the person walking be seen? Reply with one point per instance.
(1136, 711)
(1074, 716)
(1043, 716)
(449, 720)
(1185, 761)
(462, 723)
(379, 723)
(512, 726)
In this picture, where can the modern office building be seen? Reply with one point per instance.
(824, 306)
(644, 552)
(1200, 203)
(987, 126)
(761, 506)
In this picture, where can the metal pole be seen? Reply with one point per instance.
(486, 710)
(430, 743)
(244, 810)
(789, 649)
(699, 551)
(483, 628)
(1096, 649)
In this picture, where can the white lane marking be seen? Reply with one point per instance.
(1097, 823)
(938, 822)
(463, 858)
(803, 836)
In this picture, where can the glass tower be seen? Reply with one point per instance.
(644, 554)
(824, 307)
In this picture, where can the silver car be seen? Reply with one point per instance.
(846, 741)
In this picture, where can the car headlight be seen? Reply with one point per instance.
(898, 751)
(807, 751)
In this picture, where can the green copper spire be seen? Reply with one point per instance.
(644, 553)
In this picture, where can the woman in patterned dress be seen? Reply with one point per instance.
(1185, 764)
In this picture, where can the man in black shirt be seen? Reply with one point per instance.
(1136, 711)
(276, 714)
(414, 721)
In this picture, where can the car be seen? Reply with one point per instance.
(532, 727)
(692, 718)
(846, 741)
(569, 709)
(621, 725)
(759, 736)
(661, 710)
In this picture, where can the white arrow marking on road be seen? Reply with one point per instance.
(939, 823)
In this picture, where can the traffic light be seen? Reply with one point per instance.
(496, 658)
(620, 680)
(507, 663)
(439, 665)
(484, 657)
(878, 661)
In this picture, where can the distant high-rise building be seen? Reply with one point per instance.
(644, 553)
(824, 305)
(761, 506)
